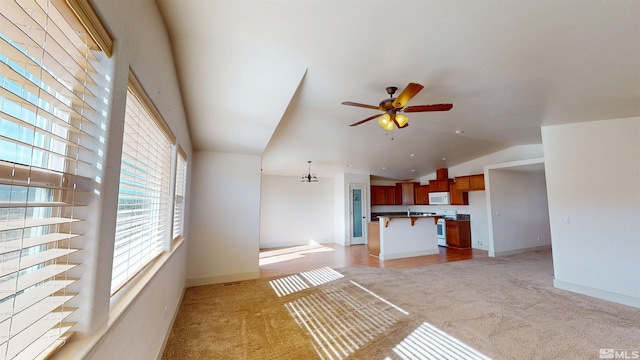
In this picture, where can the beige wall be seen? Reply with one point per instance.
(225, 218)
(593, 182)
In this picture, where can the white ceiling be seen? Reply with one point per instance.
(268, 77)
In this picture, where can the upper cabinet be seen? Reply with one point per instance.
(457, 196)
(422, 194)
(470, 182)
(476, 182)
(439, 185)
(386, 195)
(408, 193)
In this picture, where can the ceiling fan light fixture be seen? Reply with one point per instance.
(402, 120)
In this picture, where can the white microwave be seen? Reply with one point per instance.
(439, 198)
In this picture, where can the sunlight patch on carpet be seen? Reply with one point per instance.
(341, 319)
(321, 276)
(293, 283)
(288, 285)
(429, 342)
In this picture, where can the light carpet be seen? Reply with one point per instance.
(499, 308)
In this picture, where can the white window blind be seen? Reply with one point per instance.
(181, 184)
(143, 222)
(48, 145)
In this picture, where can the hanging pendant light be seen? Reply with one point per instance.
(309, 178)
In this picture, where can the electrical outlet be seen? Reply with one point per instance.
(498, 213)
(564, 219)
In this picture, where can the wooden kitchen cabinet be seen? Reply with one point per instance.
(462, 183)
(377, 195)
(422, 194)
(457, 196)
(439, 185)
(458, 233)
(386, 195)
(442, 174)
(374, 239)
(408, 190)
(470, 182)
(476, 182)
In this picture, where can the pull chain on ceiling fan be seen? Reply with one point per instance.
(393, 106)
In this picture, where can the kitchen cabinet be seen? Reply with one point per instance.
(408, 193)
(458, 233)
(470, 182)
(374, 239)
(386, 195)
(456, 196)
(476, 182)
(439, 185)
(377, 195)
(442, 174)
(422, 194)
(393, 195)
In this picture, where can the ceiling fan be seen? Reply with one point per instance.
(393, 106)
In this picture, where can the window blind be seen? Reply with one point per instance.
(48, 145)
(143, 221)
(181, 184)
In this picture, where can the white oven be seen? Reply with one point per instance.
(441, 226)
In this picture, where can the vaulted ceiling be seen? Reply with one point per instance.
(268, 77)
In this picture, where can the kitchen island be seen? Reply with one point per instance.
(402, 236)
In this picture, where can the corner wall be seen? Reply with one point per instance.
(593, 182)
(519, 212)
(225, 218)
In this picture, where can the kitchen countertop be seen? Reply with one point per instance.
(459, 217)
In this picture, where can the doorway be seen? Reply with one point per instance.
(357, 214)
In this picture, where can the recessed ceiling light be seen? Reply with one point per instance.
(383, 168)
(412, 155)
(443, 159)
(413, 170)
(459, 131)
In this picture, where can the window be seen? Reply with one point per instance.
(144, 204)
(181, 184)
(51, 124)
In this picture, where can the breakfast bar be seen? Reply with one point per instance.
(404, 236)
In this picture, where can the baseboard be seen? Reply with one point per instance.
(521, 251)
(173, 320)
(408, 254)
(597, 293)
(211, 280)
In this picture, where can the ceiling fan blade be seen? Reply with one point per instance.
(435, 107)
(365, 120)
(350, 103)
(406, 95)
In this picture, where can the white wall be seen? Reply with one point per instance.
(225, 218)
(593, 181)
(519, 212)
(293, 213)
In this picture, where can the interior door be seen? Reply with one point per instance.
(357, 214)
